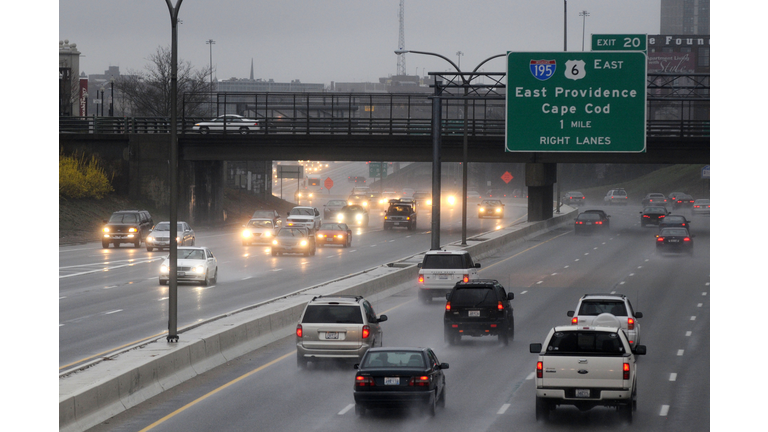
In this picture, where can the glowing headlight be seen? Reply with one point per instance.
(150, 239)
(451, 200)
(177, 240)
(482, 209)
(303, 243)
(106, 229)
(267, 234)
(131, 229)
(429, 202)
(498, 210)
(163, 269)
(339, 217)
(359, 217)
(274, 242)
(247, 233)
(383, 201)
(365, 203)
(310, 195)
(199, 269)
(298, 194)
(320, 236)
(349, 203)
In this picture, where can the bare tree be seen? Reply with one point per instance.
(148, 93)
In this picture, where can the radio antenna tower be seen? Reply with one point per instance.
(401, 40)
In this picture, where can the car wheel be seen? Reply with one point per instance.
(150, 249)
(441, 401)
(163, 282)
(542, 409)
(206, 281)
(359, 410)
(105, 245)
(431, 406)
(274, 253)
(215, 276)
(314, 249)
(244, 131)
(511, 330)
(504, 338)
(204, 130)
(625, 411)
(193, 242)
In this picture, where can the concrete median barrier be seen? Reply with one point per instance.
(102, 389)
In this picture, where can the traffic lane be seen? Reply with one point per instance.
(482, 395)
(127, 305)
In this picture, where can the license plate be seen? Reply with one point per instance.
(391, 380)
(674, 241)
(473, 313)
(582, 393)
(397, 223)
(181, 274)
(442, 276)
(331, 335)
(588, 223)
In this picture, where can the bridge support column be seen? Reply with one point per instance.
(539, 178)
(203, 192)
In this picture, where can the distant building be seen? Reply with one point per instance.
(242, 85)
(685, 17)
(70, 93)
(99, 82)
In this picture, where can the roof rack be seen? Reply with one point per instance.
(604, 294)
(356, 297)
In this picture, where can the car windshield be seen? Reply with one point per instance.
(191, 254)
(654, 210)
(596, 307)
(332, 314)
(622, 193)
(357, 197)
(588, 217)
(399, 210)
(264, 213)
(332, 227)
(675, 219)
(656, 196)
(166, 226)
(123, 218)
(335, 203)
(474, 297)
(394, 359)
(353, 208)
(585, 342)
(287, 232)
(674, 232)
(491, 203)
(260, 224)
(575, 194)
(302, 212)
(443, 262)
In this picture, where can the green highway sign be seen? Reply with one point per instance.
(619, 42)
(377, 169)
(576, 102)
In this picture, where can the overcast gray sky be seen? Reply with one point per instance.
(319, 41)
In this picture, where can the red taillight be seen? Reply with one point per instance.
(599, 223)
(660, 239)
(539, 369)
(683, 224)
(574, 320)
(465, 279)
(579, 222)
(421, 278)
(420, 381)
(448, 306)
(687, 239)
(630, 323)
(366, 332)
(299, 331)
(364, 381)
(647, 216)
(626, 371)
(661, 216)
(695, 206)
(679, 202)
(500, 306)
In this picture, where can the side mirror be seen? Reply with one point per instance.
(444, 365)
(477, 265)
(510, 296)
(356, 366)
(638, 314)
(382, 318)
(448, 296)
(535, 348)
(639, 350)
(418, 265)
(570, 313)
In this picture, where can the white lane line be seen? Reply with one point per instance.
(586, 253)
(523, 292)
(112, 286)
(62, 298)
(407, 236)
(274, 270)
(61, 325)
(673, 377)
(530, 376)
(706, 284)
(353, 250)
(553, 274)
(246, 278)
(680, 353)
(613, 292)
(704, 293)
(622, 283)
(503, 409)
(688, 333)
(163, 298)
(639, 267)
(646, 260)
(373, 245)
(346, 409)
(594, 249)
(539, 282)
(566, 266)
(391, 241)
(114, 311)
(693, 318)
(700, 305)
(576, 259)
(664, 410)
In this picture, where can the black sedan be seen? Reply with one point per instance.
(587, 222)
(354, 214)
(675, 221)
(399, 377)
(674, 240)
(683, 201)
(490, 208)
(604, 217)
(652, 215)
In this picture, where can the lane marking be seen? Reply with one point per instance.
(704, 293)
(523, 292)
(700, 305)
(114, 311)
(539, 282)
(553, 274)
(61, 298)
(163, 298)
(622, 283)
(530, 376)
(524, 251)
(673, 377)
(688, 333)
(246, 278)
(576, 260)
(664, 410)
(503, 409)
(566, 266)
(586, 253)
(693, 318)
(346, 409)
(680, 353)
(631, 274)
(275, 270)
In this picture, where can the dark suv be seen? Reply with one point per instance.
(126, 226)
(400, 214)
(479, 308)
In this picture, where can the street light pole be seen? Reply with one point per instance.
(111, 97)
(211, 42)
(565, 25)
(173, 335)
(584, 14)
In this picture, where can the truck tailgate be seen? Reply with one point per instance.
(587, 372)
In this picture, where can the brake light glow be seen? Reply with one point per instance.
(420, 381)
(626, 371)
(500, 306)
(687, 239)
(539, 369)
(646, 216)
(421, 278)
(660, 239)
(448, 306)
(364, 381)
(299, 331)
(465, 279)
(366, 332)
(630, 323)
(574, 320)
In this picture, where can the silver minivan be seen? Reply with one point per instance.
(341, 327)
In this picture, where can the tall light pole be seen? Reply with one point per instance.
(211, 42)
(173, 335)
(459, 54)
(436, 180)
(565, 25)
(112, 97)
(584, 14)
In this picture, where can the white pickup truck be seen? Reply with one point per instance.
(586, 366)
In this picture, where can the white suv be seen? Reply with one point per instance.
(616, 196)
(307, 217)
(441, 270)
(592, 305)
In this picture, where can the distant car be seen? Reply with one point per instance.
(304, 195)
(159, 237)
(332, 207)
(701, 206)
(399, 377)
(422, 198)
(399, 215)
(258, 230)
(303, 216)
(519, 193)
(359, 199)
(652, 215)
(672, 221)
(496, 193)
(674, 240)
(353, 215)
(654, 199)
(574, 198)
(356, 179)
(473, 196)
(587, 222)
(337, 327)
(440, 270)
(408, 192)
(298, 240)
(268, 214)
(478, 308)
(232, 122)
(604, 217)
(683, 201)
(490, 208)
(673, 196)
(334, 234)
(126, 226)
(375, 200)
(386, 196)
(616, 197)
(193, 264)
(618, 305)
